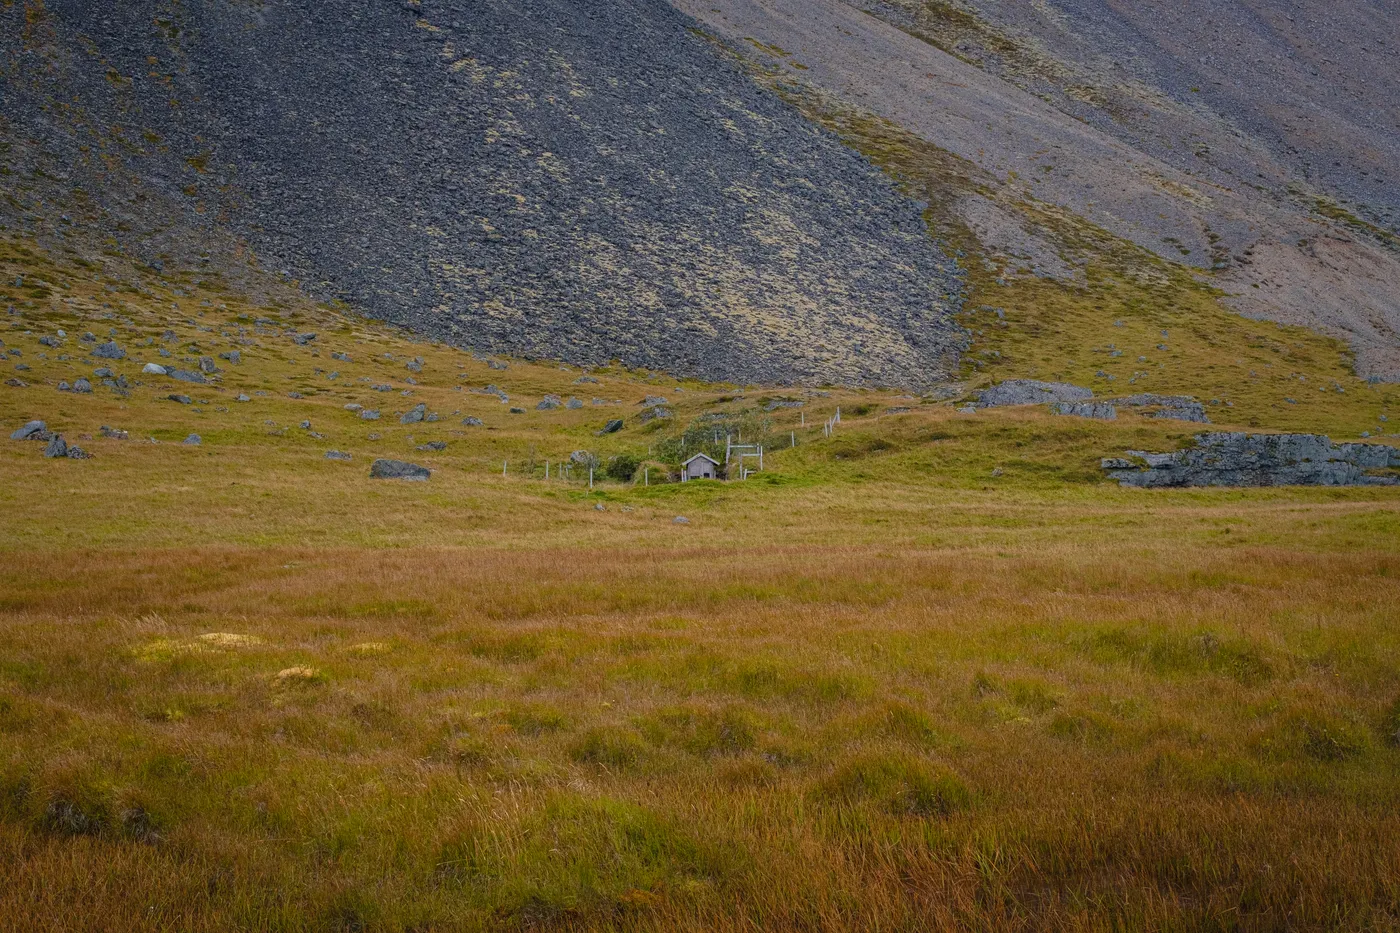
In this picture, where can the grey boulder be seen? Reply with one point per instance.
(29, 431)
(109, 351)
(398, 469)
(1031, 392)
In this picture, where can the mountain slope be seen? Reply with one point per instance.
(1196, 131)
(560, 179)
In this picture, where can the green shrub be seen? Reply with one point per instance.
(623, 467)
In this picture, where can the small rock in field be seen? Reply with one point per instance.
(612, 427)
(414, 415)
(186, 375)
(82, 386)
(433, 445)
(242, 398)
(573, 404)
(471, 422)
(113, 433)
(77, 453)
(64, 387)
(306, 425)
(182, 399)
(680, 520)
(154, 369)
(302, 340)
(548, 403)
(337, 455)
(232, 356)
(57, 447)
(354, 406)
(102, 372)
(109, 351)
(398, 469)
(599, 507)
(194, 440)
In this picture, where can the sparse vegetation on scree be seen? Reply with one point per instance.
(932, 672)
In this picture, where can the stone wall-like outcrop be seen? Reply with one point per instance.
(1235, 459)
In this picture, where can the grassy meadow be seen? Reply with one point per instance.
(929, 673)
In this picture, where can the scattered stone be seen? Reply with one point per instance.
(573, 404)
(163, 352)
(398, 469)
(64, 387)
(653, 400)
(517, 411)
(651, 414)
(82, 386)
(112, 433)
(297, 395)
(549, 403)
(584, 379)
(1236, 459)
(57, 447)
(496, 364)
(77, 453)
(102, 372)
(414, 415)
(232, 356)
(194, 440)
(48, 341)
(783, 403)
(242, 398)
(182, 399)
(433, 445)
(154, 369)
(414, 365)
(343, 357)
(109, 351)
(186, 375)
(30, 431)
(1103, 411)
(354, 406)
(337, 455)
(370, 414)
(680, 520)
(88, 337)
(471, 422)
(16, 383)
(432, 416)
(206, 365)
(306, 425)
(584, 459)
(599, 507)
(1031, 392)
(612, 427)
(302, 340)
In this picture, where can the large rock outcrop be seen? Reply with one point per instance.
(1234, 459)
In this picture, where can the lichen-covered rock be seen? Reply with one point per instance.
(1031, 392)
(29, 431)
(1175, 407)
(1236, 459)
(1104, 411)
(109, 351)
(398, 469)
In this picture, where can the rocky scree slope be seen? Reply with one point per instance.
(1254, 144)
(562, 178)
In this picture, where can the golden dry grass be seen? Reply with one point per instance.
(881, 686)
